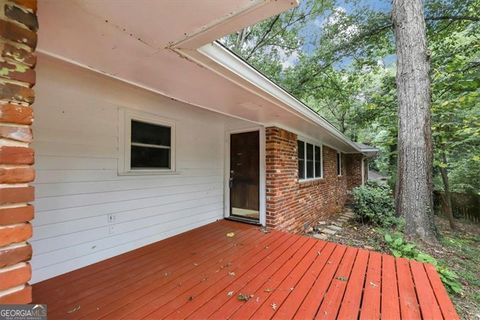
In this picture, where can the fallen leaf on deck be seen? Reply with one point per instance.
(75, 309)
(268, 290)
(190, 298)
(274, 306)
(231, 234)
(231, 273)
(230, 293)
(244, 297)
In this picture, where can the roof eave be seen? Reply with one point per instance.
(228, 60)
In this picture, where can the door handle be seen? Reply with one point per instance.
(230, 181)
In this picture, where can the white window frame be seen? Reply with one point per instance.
(305, 141)
(125, 130)
(339, 163)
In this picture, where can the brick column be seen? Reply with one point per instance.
(282, 176)
(18, 39)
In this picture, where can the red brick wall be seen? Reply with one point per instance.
(293, 205)
(18, 39)
(354, 170)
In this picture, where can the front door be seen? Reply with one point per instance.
(245, 175)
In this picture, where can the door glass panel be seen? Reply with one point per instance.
(244, 175)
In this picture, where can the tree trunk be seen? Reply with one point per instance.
(448, 195)
(414, 166)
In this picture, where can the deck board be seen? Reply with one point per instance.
(353, 294)
(390, 308)
(99, 292)
(371, 294)
(334, 296)
(199, 275)
(408, 298)
(315, 296)
(184, 278)
(248, 308)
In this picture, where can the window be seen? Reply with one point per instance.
(148, 144)
(318, 162)
(301, 159)
(309, 160)
(339, 163)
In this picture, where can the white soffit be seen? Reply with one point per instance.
(250, 79)
(153, 45)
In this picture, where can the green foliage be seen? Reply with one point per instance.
(373, 203)
(401, 248)
(341, 63)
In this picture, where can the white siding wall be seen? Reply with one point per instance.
(77, 186)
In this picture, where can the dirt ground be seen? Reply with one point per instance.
(459, 249)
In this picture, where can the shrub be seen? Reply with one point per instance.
(373, 203)
(401, 248)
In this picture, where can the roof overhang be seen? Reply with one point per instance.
(366, 150)
(168, 47)
(241, 73)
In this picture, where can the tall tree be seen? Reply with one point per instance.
(336, 56)
(415, 154)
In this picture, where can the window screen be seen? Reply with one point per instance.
(318, 162)
(310, 162)
(150, 146)
(339, 163)
(301, 159)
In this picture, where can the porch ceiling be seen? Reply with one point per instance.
(134, 41)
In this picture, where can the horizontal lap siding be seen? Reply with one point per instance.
(77, 187)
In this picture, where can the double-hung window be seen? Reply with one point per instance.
(301, 159)
(339, 163)
(148, 144)
(310, 164)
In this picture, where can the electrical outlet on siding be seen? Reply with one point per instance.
(111, 218)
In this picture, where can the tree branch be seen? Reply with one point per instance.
(469, 18)
(270, 28)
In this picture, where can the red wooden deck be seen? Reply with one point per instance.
(200, 274)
